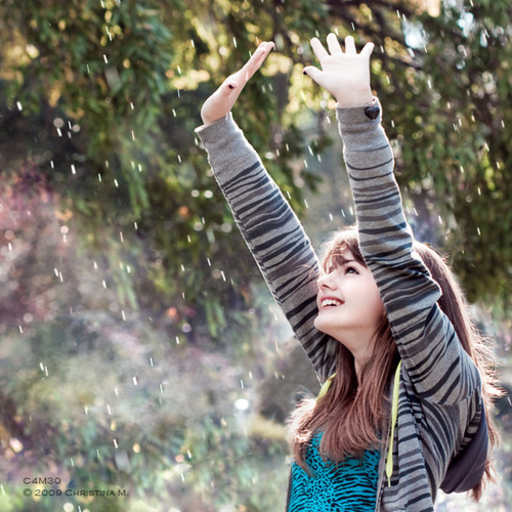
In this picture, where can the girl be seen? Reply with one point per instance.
(401, 412)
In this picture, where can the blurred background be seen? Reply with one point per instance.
(143, 363)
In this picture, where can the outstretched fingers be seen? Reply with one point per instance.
(350, 45)
(256, 60)
(333, 44)
(367, 49)
(318, 49)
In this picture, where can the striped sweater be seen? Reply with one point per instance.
(439, 407)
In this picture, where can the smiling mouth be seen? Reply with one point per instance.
(326, 303)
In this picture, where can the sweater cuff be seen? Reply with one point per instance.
(226, 145)
(211, 133)
(355, 122)
(357, 118)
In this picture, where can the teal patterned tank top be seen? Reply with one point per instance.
(350, 486)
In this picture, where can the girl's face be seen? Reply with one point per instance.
(349, 305)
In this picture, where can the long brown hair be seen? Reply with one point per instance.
(354, 411)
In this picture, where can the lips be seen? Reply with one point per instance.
(329, 302)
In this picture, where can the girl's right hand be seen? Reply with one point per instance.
(219, 104)
(345, 74)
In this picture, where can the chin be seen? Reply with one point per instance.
(320, 325)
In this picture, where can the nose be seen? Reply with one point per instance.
(325, 282)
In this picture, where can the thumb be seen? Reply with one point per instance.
(313, 73)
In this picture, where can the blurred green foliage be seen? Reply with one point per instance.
(134, 342)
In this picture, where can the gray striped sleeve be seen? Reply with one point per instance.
(272, 232)
(439, 367)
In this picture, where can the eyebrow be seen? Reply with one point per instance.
(346, 262)
(343, 263)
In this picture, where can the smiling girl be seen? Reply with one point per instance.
(405, 388)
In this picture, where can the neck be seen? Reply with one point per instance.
(358, 364)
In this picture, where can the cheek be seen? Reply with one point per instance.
(376, 304)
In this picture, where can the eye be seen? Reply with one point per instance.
(351, 270)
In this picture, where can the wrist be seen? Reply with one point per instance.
(355, 99)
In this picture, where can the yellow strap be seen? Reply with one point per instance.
(325, 387)
(394, 414)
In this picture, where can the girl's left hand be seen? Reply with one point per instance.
(346, 75)
(222, 100)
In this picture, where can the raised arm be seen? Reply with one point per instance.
(433, 356)
(270, 228)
